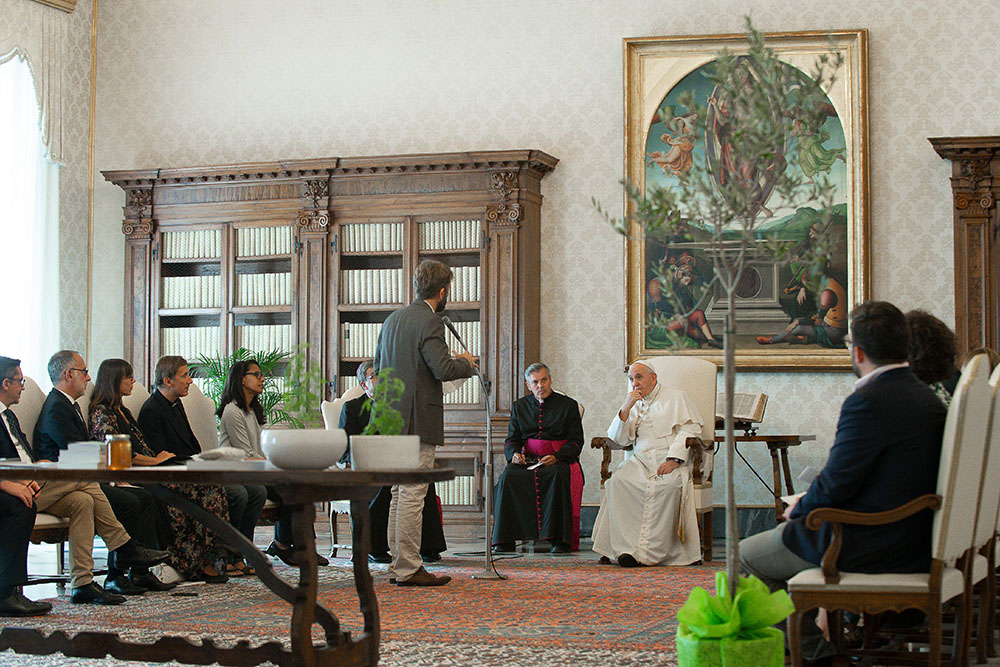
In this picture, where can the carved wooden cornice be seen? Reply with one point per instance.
(507, 212)
(138, 222)
(535, 162)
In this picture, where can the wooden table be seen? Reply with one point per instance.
(299, 488)
(778, 446)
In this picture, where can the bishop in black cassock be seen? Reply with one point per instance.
(541, 503)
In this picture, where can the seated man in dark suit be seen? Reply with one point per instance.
(353, 420)
(61, 422)
(83, 503)
(165, 426)
(886, 453)
(541, 503)
(17, 506)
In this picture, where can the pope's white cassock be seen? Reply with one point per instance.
(650, 516)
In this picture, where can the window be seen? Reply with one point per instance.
(29, 224)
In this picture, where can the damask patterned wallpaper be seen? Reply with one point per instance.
(187, 83)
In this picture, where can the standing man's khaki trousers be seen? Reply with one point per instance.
(88, 511)
(406, 518)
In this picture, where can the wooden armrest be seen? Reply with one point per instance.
(598, 443)
(835, 517)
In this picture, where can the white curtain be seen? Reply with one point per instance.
(29, 224)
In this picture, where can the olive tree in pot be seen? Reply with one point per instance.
(763, 104)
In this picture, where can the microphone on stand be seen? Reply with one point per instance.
(489, 569)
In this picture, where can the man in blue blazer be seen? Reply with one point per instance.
(886, 453)
(412, 347)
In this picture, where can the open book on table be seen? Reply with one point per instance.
(746, 407)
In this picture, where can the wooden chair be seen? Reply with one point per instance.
(49, 529)
(331, 417)
(697, 377)
(962, 453)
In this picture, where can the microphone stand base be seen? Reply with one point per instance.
(488, 574)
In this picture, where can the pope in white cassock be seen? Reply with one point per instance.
(648, 516)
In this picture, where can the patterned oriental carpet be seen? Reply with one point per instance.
(551, 611)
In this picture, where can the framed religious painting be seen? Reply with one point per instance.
(783, 321)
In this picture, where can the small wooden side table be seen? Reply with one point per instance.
(777, 446)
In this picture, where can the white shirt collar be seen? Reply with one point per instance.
(68, 397)
(884, 368)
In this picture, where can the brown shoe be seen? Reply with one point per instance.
(424, 578)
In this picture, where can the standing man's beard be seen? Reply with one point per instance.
(442, 304)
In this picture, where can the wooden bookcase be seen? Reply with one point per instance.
(319, 252)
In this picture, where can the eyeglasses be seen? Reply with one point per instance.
(256, 374)
(82, 370)
(13, 380)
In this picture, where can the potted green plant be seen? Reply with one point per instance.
(304, 390)
(214, 371)
(380, 446)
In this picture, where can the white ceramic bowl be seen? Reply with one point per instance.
(303, 448)
(385, 452)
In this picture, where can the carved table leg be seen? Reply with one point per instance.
(788, 473)
(360, 543)
(304, 605)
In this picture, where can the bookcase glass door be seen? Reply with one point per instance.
(191, 292)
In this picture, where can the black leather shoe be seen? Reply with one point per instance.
(286, 555)
(18, 605)
(431, 557)
(379, 558)
(94, 593)
(321, 560)
(149, 581)
(504, 548)
(133, 554)
(628, 560)
(123, 586)
(209, 578)
(561, 548)
(542, 547)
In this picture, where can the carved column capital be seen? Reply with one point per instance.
(138, 222)
(314, 216)
(313, 220)
(508, 211)
(973, 186)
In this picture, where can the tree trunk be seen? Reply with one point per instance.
(729, 375)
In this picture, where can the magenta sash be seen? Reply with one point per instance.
(537, 447)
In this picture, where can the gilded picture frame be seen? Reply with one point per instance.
(655, 69)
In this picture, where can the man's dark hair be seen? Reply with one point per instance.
(167, 367)
(430, 276)
(7, 368)
(879, 328)
(932, 347)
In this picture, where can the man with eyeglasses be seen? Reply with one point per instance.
(17, 504)
(885, 454)
(354, 419)
(87, 505)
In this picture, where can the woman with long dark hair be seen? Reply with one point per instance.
(242, 417)
(193, 549)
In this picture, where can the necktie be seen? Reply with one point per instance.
(79, 413)
(20, 441)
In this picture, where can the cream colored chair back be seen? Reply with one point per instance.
(200, 411)
(29, 407)
(962, 452)
(332, 409)
(84, 402)
(135, 400)
(578, 403)
(695, 376)
(989, 510)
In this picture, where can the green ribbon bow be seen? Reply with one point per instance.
(746, 616)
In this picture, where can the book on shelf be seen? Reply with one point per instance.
(373, 237)
(192, 292)
(359, 339)
(371, 286)
(264, 337)
(747, 407)
(464, 284)
(189, 342)
(193, 244)
(264, 289)
(263, 241)
(448, 235)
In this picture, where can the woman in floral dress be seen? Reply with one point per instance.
(193, 549)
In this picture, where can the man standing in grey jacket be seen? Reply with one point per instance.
(412, 347)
